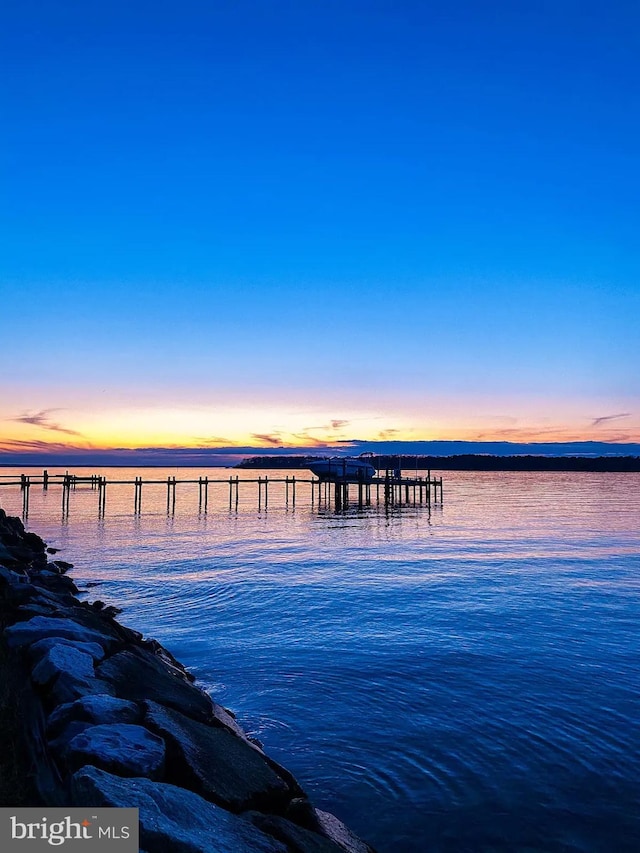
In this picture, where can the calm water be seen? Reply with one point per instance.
(461, 680)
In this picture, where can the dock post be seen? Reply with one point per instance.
(203, 494)
(230, 490)
(25, 497)
(286, 490)
(66, 488)
(266, 491)
(338, 496)
(102, 495)
(237, 489)
(293, 490)
(259, 493)
(171, 495)
(45, 480)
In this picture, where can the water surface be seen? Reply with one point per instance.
(460, 679)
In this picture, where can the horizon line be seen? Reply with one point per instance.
(229, 455)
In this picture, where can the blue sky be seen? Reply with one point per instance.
(416, 220)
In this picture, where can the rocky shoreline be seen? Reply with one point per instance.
(99, 715)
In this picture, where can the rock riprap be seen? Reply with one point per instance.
(112, 719)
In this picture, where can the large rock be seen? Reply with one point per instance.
(172, 819)
(62, 659)
(144, 676)
(11, 577)
(61, 604)
(297, 838)
(217, 764)
(121, 748)
(39, 649)
(61, 566)
(5, 555)
(11, 524)
(68, 674)
(69, 687)
(334, 829)
(93, 710)
(34, 542)
(20, 553)
(54, 582)
(27, 633)
(31, 609)
(54, 598)
(302, 813)
(223, 718)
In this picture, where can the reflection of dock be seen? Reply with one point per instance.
(389, 489)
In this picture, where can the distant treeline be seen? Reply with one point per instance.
(469, 462)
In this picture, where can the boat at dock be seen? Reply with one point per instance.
(343, 469)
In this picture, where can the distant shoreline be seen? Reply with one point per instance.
(65, 465)
(457, 462)
(471, 462)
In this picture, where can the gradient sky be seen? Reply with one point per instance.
(292, 222)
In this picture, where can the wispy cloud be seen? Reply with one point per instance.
(387, 434)
(267, 438)
(597, 421)
(526, 434)
(12, 445)
(309, 440)
(43, 420)
(329, 432)
(214, 441)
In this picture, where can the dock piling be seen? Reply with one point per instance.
(102, 496)
(26, 485)
(137, 496)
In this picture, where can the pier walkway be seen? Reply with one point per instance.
(387, 489)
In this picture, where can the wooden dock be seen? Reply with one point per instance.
(388, 489)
